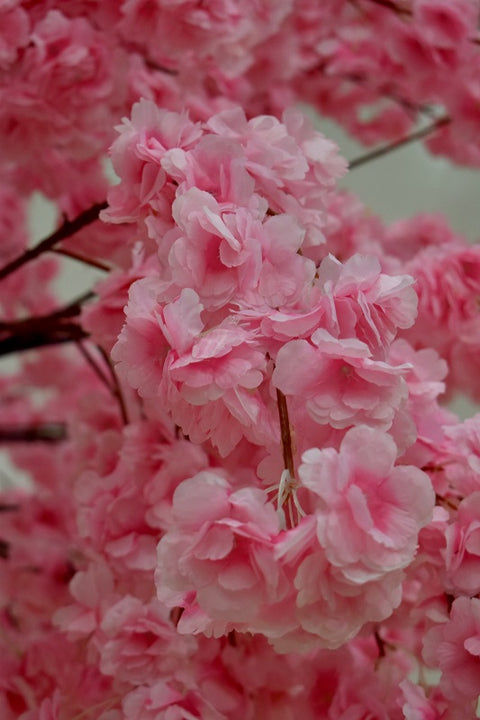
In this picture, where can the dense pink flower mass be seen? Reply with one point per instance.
(242, 494)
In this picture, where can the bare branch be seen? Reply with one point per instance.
(67, 332)
(117, 389)
(83, 259)
(66, 230)
(52, 432)
(413, 137)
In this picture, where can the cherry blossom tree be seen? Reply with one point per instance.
(248, 496)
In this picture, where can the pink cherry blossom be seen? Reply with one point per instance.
(338, 381)
(220, 548)
(245, 493)
(139, 643)
(370, 511)
(453, 646)
(137, 158)
(151, 326)
(366, 303)
(324, 608)
(462, 552)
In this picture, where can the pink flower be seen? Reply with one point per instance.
(324, 607)
(57, 104)
(214, 391)
(164, 701)
(294, 166)
(158, 701)
(338, 381)
(417, 706)
(462, 553)
(137, 156)
(104, 319)
(151, 328)
(369, 511)
(218, 254)
(461, 450)
(362, 301)
(220, 547)
(446, 24)
(93, 590)
(14, 24)
(225, 253)
(139, 644)
(454, 648)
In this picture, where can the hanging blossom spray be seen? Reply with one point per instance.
(248, 497)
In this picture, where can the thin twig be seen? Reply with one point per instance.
(383, 91)
(117, 390)
(66, 230)
(82, 258)
(360, 79)
(95, 366)
(389, 5)
(413, 137)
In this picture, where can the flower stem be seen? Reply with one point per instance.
(287, 445)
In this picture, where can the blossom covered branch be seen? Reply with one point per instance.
(247, 496)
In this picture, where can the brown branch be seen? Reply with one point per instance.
(9, 507)
(389, 5)
(117, 390)
(64, 333)
(287, 445)
(66, 230)
(82, 258)
(51, 432)
(383, 90)
(95, 366)
(413, 137)
(42, 330)
(24, 326)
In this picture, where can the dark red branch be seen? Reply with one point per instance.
(18, 327)
(117, 389)
(413, 137)
(83, 259)
(66, 230)
(51, 432)
(42, 330)
(287, 445)
(389, 5)
(63, 333)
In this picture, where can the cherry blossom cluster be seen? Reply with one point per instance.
(69, 71)
(246, 495)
